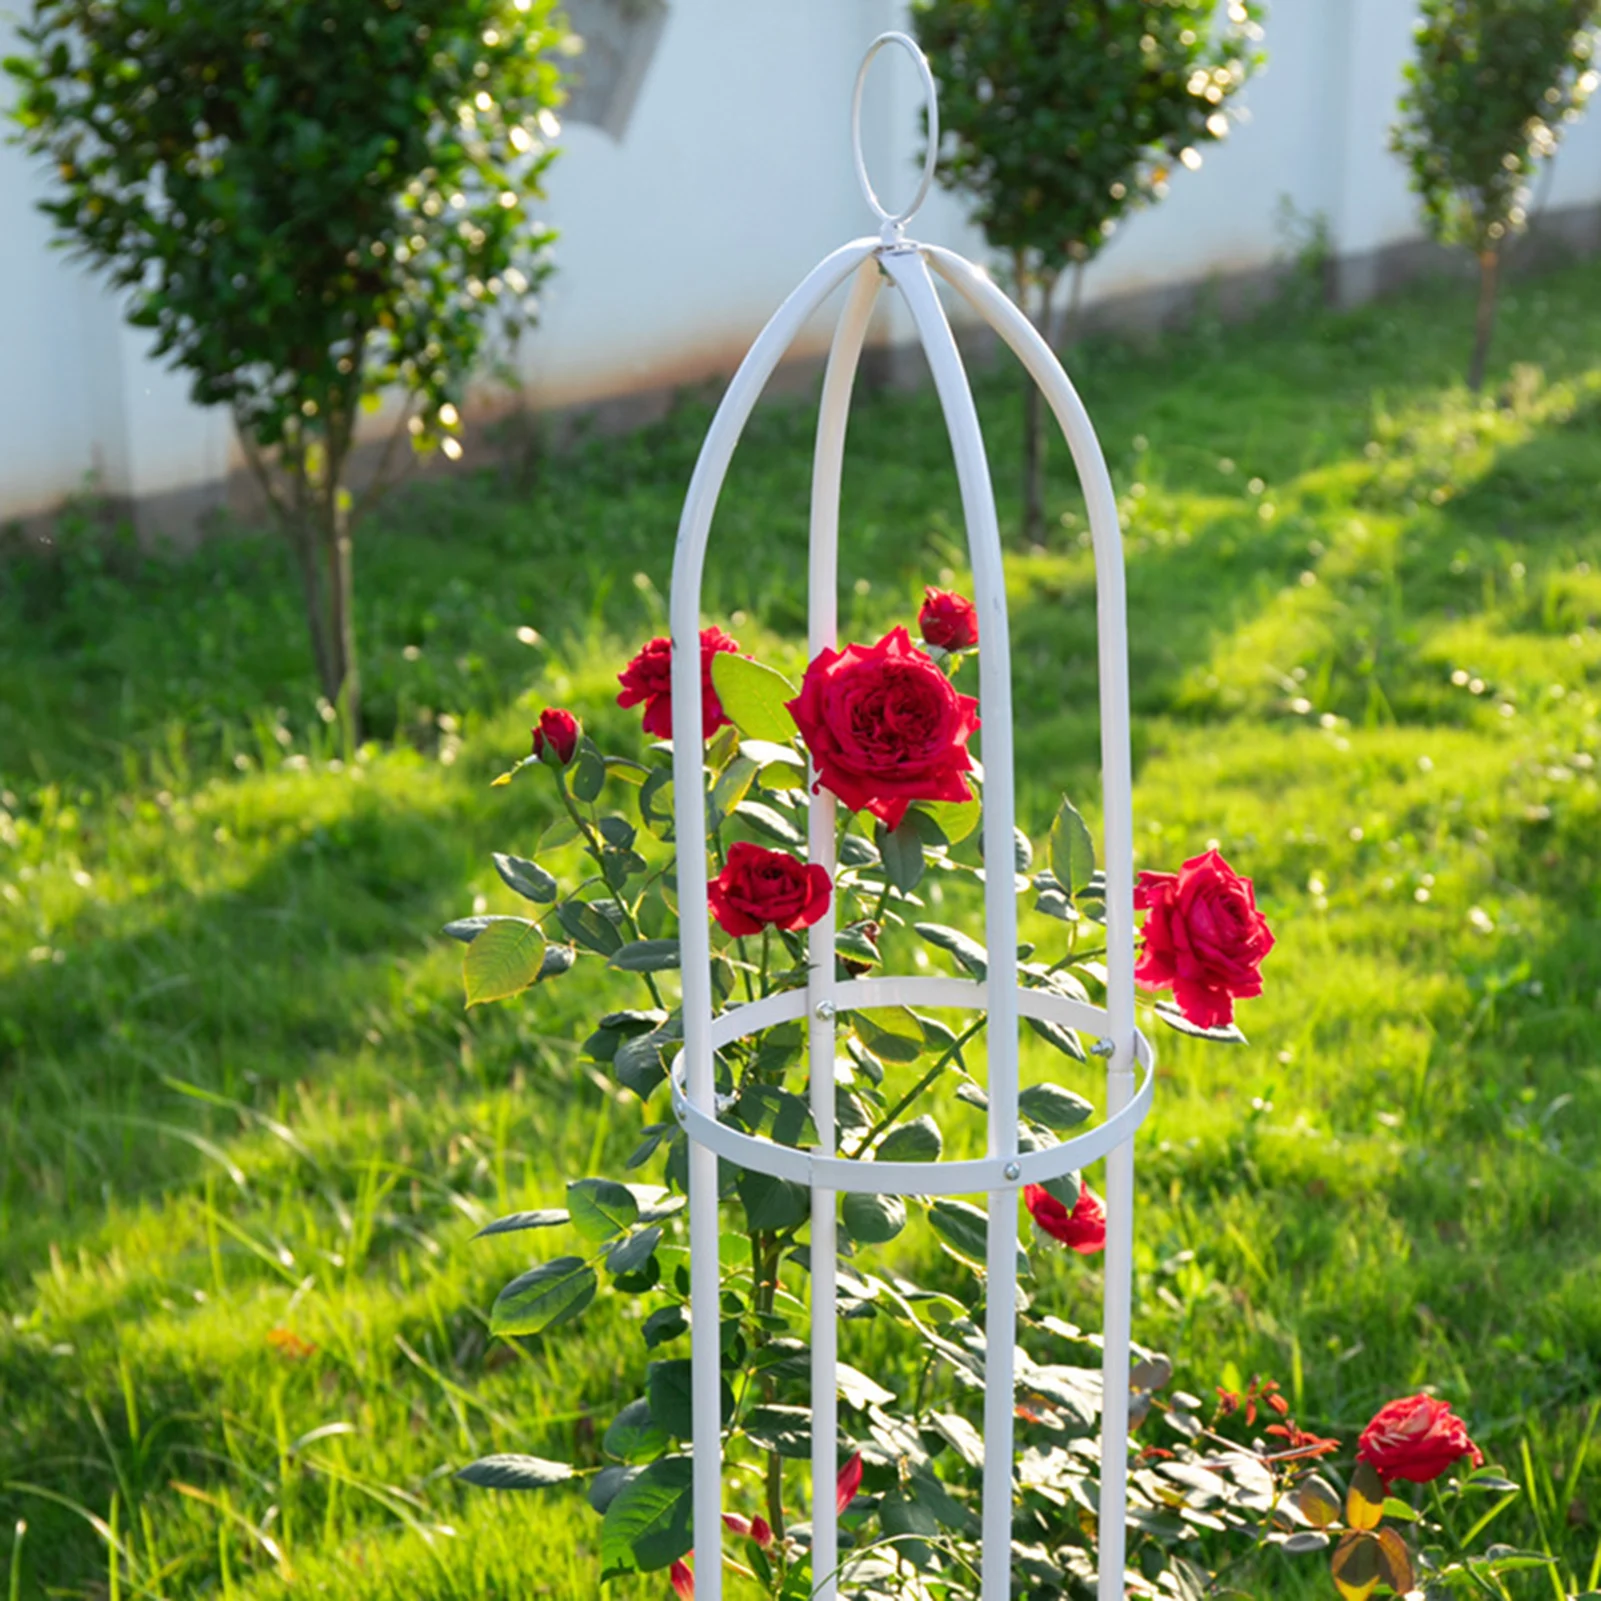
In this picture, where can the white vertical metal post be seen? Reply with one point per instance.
(1004, 1169)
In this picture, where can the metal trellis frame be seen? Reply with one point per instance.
(910, 268)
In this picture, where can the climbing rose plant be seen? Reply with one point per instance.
(885, 728)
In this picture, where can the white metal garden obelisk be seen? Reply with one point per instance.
(910, 269)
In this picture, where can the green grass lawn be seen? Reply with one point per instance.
(247, 1129)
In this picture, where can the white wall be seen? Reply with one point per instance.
(733, 179)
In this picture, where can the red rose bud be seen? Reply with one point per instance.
(848, 1483)
(1417, 1439)
(1082, 1230)
(682, 1581)
(648, 680)
(558, 733)
(1204, 938)
(761, 889)
(948, 620)
(761, 1531)
(885, 727)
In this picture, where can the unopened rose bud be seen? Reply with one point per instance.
(556, 737)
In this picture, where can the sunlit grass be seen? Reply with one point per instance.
(246, 1128)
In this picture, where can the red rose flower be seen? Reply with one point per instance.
(558, 730)
(761, 889)
(648, 679)
(1204, 937)
(1082, 1230)
(948, 620)
(885, 727)
(1417, 1439)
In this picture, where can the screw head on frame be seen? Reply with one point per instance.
(1102, 1048)
(825, 1010)
(1012, 1170)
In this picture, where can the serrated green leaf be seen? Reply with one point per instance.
(753, 696)
(668, 1387)
(967, 951)
(1054, 1107)
(504, 960)
(954, 819)
(544, 1298)
(590, 928)
(901, 851)
(1228, 1034)
(646, 956)
(647, 1527)
(601, 1208)
(917, 1141)
(529, 879)
(546, 1218)
(1072, 850)
(587, 774)
(631, 1255)
(634, 1435)
(507, 1471)
(872, 1219)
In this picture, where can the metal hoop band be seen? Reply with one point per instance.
(896, 220)
(991, 1174)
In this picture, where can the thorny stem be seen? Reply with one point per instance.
(592, 845)
(953, 1050)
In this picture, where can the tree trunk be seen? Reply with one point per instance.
(340, 554)
(1484, 325)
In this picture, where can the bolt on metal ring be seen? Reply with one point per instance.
(1012, 1170)
(1102, 1048)
(826, 1009)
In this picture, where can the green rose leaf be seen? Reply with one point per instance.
(634, 1435)
(753, 696)
(768, 820)
(529, 879)
(917, 1141)
(587, 774)
(893, 1033)
(901, 851)
(601, 1208)
(508, 1471)
(667, 1385)
(646, 956)
(664, 1324)
(544, 1298)
(504, 960)
(1229, 1034)
(784, 1429)
(873, 1219)
(647, 1526)
(1059, 1035)
(590, 927)
(631, 1255)
(1054, 1107)
(967, 951)
(954, 819)
(779, 1114)
(1072, 851)
(546, 1218)
(772, 1203)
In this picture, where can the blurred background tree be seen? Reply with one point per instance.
(1486, 96)
(1060, 116)
(310, 204)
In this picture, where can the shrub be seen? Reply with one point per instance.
(1058, 119)
(1492, 83)
(309, 205)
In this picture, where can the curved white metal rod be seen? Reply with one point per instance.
(828, 461)
(689, 558)
(1118, 807)
(999, 1177)
(910, 273)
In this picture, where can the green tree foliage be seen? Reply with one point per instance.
(1486, 96)
(310, 205)
(1060, 118)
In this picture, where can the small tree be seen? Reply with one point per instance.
(310, 204)
(1060, 116)
(1485, 98)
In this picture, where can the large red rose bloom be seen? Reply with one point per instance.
(885, 727)
(648, 680)
(1082, 1230)
(1204, 938)
(1416, 1438)
(761, 889)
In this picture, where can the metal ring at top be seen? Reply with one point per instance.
(892, 220)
